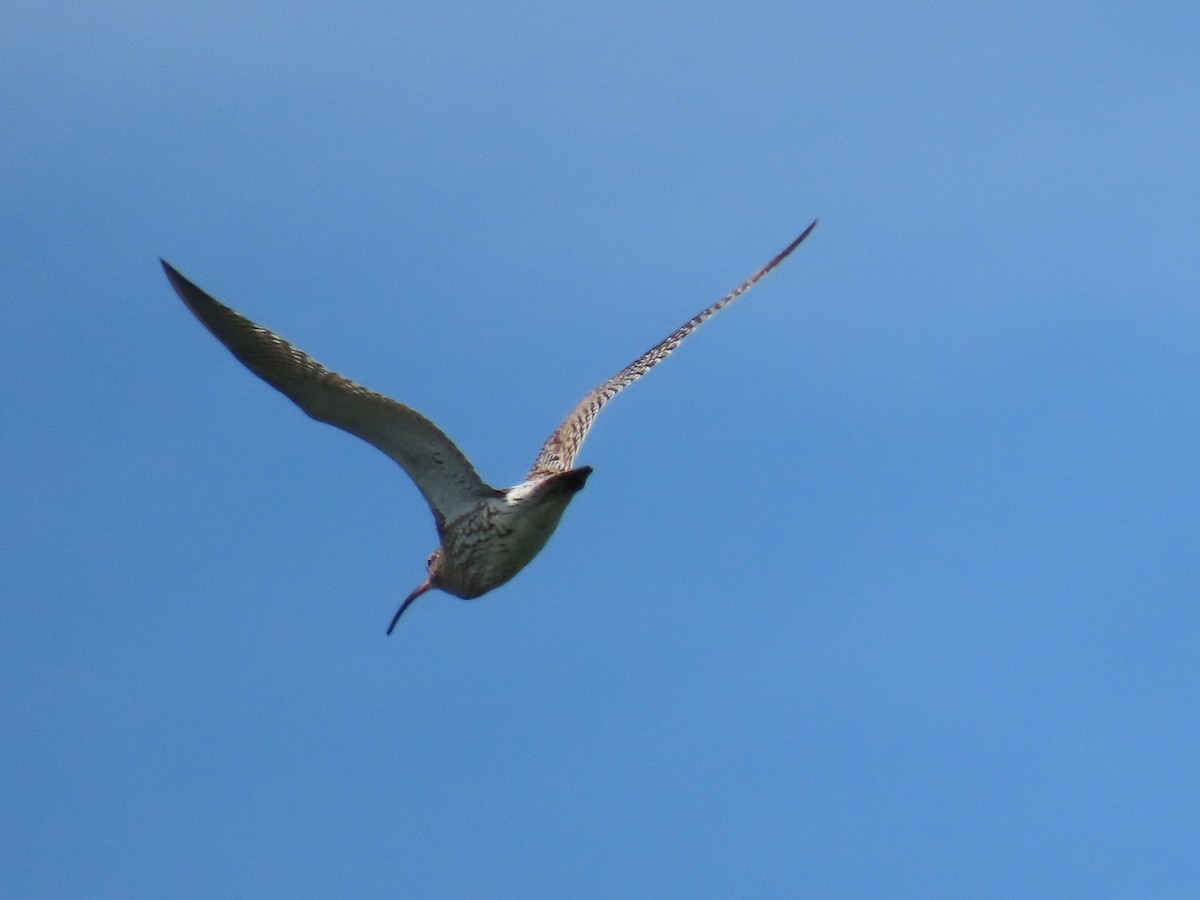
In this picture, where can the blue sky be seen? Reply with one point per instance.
(885, 585)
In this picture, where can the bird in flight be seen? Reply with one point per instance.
(487, 534)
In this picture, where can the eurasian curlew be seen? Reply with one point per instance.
(487, 534)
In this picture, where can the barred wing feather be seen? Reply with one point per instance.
(559, 452)
(441, 472)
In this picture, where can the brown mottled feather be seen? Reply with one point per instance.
(445, 477)
(559, 452)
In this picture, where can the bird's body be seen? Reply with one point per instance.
(494, 540)
(487, 534)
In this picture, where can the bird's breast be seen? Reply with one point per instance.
(487, 546)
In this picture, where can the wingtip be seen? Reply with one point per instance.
(779, 257)
(187, 291)
(171, 272)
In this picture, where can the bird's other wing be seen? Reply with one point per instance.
(443, 474)
(559, 451)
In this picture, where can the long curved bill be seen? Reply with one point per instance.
(421, 588)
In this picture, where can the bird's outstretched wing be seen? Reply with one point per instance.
(559, 451)
(443, 474)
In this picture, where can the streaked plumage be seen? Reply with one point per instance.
(487, 534)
